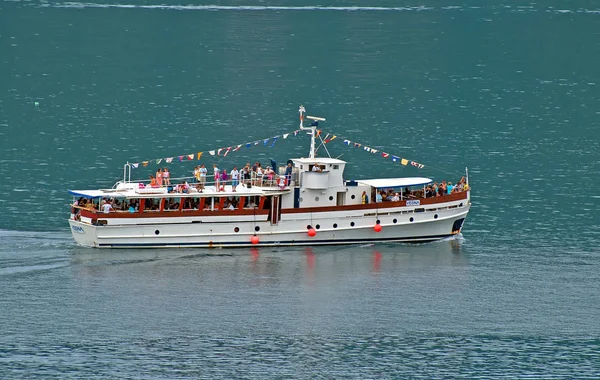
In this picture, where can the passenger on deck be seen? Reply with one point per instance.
(224, 178)
(235, 175)
(159, 179)
(378, 198)
(316, 168)
(449, 188)
(269, 174)
(396, 197)
(442, 188)
(365, 198)
(259, 174)
(288, 173)
(153, 182)
(166, 177)
(106, 207)
(196, 174)
(203, 172)
(216, 176)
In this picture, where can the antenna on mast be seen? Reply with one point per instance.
(313, 128)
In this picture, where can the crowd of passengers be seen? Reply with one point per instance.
(432, 190)
(171, 204)
(254, 175)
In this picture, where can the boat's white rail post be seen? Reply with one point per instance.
(467, 174)
(127, 172)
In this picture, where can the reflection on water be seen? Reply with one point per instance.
(311, 261)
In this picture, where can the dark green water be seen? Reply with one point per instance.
(508, 89)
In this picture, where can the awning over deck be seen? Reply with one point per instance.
(395, 182)
(97, 193)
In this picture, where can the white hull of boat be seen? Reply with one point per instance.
(332, 228)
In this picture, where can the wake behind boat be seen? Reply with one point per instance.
(308, 203)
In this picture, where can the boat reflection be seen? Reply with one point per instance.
(259, 266)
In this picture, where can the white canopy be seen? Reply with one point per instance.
(395, 182)
(98, 193)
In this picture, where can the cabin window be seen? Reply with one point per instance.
(172, 204)
(191, 204)
(336, 167)
(151, 204)
(231, 203)
(251, 202)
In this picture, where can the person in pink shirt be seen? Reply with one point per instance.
(166, 176)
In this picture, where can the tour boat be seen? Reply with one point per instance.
(306, 205)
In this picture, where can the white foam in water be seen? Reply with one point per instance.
(238, 7)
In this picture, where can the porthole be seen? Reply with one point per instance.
(237, 229)
(378, 221)
(156, 232)
(395, 221)
(257, 228)
(412, 219)
(351, 224)
(300, 199)
(308, 227)
(318, 226)
(435, 216)
(334, 225)
(353, 196)
(331, 197)
(316, 199)
(460, 205)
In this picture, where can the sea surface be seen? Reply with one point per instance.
(509, 89)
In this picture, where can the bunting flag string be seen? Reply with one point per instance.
(268, 142)
(366, 148)
(385, 155)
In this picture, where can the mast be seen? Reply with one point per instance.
(313, 129)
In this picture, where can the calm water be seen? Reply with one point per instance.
(508, 89)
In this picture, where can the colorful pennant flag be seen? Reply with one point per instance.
(395, 158)
(199, 155)
(404, 162)
(145, 163)
(385, 155)
(190, 156)
(169, 160)
(135, 166)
